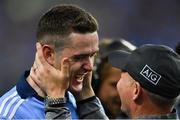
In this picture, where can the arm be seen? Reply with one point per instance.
(56, 109)
(87, 90)
(89, 106)
(94, 109)
(54, 83)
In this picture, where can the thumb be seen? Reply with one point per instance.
(65, 68)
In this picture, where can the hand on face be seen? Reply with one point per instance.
(52, 81)
(87, 90)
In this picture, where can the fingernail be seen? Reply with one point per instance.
(38, 44)
(65, 60)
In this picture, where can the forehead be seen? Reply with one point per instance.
(84, 43)
(112, 74)
(126, 77)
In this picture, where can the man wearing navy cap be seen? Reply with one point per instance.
(150, 82)
(148, 87)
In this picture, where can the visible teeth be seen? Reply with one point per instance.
(79, 79)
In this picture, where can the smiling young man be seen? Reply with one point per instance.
(65, 31)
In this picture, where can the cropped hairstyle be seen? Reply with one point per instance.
(60, 21)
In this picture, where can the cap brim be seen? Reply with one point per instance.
(118, 59)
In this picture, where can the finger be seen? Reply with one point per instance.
(65, 67)
(39, 56)
(33, 76)
(34, 67)
(88, 79)
(40, 60)
(38, 66)
(37, 70)
(36, 81)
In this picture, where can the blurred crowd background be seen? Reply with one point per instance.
(138, 21)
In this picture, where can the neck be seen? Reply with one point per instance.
(35, 87)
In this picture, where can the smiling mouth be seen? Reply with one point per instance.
(80, 78)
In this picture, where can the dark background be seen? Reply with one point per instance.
(139, 21)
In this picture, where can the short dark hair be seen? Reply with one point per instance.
(64, 19)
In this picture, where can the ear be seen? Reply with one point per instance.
(49, 54)
(136, 91)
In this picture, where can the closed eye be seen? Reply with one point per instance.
(83, 56)
(79, 57)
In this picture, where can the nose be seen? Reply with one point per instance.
(88, 64)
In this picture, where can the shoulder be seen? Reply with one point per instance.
(12, 106)
(9, 103)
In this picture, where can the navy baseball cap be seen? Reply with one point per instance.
(155, 67)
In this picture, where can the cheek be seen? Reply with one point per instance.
(76, 66)
(104, 91)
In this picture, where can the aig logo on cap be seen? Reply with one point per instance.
(150, 75)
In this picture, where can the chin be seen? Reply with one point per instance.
(76, 88)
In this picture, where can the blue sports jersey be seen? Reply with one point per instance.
(22, 102)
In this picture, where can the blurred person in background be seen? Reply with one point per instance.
(177, 49)
(65, 32)
(105, 77)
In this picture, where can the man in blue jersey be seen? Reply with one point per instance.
(65, 31)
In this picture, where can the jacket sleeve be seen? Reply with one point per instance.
(56, 112)
(91, 108)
